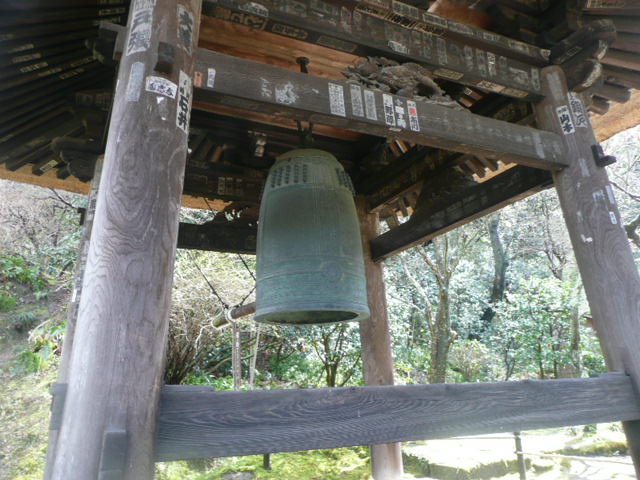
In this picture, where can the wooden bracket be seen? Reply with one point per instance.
(113, 455)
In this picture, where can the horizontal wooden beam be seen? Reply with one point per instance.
(451, 50)
(198, 422)
(254, 86)
(218, 237)
(459, 208)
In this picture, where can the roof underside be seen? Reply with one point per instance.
(57, 75)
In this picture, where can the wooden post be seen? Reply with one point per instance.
(601, 247)
(116, 367)
(377, 359)
(72, 310)
(522, 464)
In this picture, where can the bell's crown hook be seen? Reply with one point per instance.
(306, 134)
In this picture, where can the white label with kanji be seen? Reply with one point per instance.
(564, 117)
(577, 107)
(183, 112)
(161, 86)
(336, 100)
(389, 115)
(140, 35)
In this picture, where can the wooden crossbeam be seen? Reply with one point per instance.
(198, 422)
(253, 86)
(461, 207)
(450, 49)
(218, 237)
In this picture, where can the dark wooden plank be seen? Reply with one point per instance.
(449, 49)
(600, 244)
(218, 237)
(200, 422)
(460, 208)
(254, 86)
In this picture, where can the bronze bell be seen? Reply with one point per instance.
(310, 268)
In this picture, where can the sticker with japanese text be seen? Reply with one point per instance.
(564, 116)
(183, 112)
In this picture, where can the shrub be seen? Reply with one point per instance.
(7, 303)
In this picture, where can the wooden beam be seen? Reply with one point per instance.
(257, 87)
(218, 237)
(109, 418)
(377, 356)
(390, 28)
(461, 207)
(600, 245)
(199, 422)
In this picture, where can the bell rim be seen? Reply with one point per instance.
(361, 312)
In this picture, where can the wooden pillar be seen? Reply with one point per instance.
(377, 359)
(81, 263)
(72, 310)
(117, 362)
(601, 247)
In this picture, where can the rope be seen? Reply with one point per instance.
(213, 289)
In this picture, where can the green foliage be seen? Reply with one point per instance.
(23, 321)
(533, 331)
(45, 342)
(334, 464)
(7, 302)
(471, 360)
(19, 270)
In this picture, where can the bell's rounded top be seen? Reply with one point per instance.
(307, 167)
(308, 153)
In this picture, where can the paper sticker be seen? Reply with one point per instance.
(185, 28)
(577, 108)
(413, 116)
(400, 113)
(389, 116)
(370, 105)
(140, 34)
(134, 85)
(357, 107)
(161, 86)
(211, 77)
(485, 85)
(564, 117)
(450, 74)
(255, 8)
(336, 100)
(183, 112)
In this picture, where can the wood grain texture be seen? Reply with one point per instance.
(72, 309)
(257, 87)
(198, 422)
(118, 356)
(461, 207)
(375, 340)
(600, 245)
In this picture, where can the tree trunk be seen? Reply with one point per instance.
(441, 340)
(500, 265)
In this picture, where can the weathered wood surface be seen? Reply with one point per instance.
(198, 422)
(118, 355)
(461, 207)
(601, 247)
(450, 49)
(409, 170)
(377, 357)
(253, 86)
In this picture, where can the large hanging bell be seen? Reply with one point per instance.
(310, 268)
